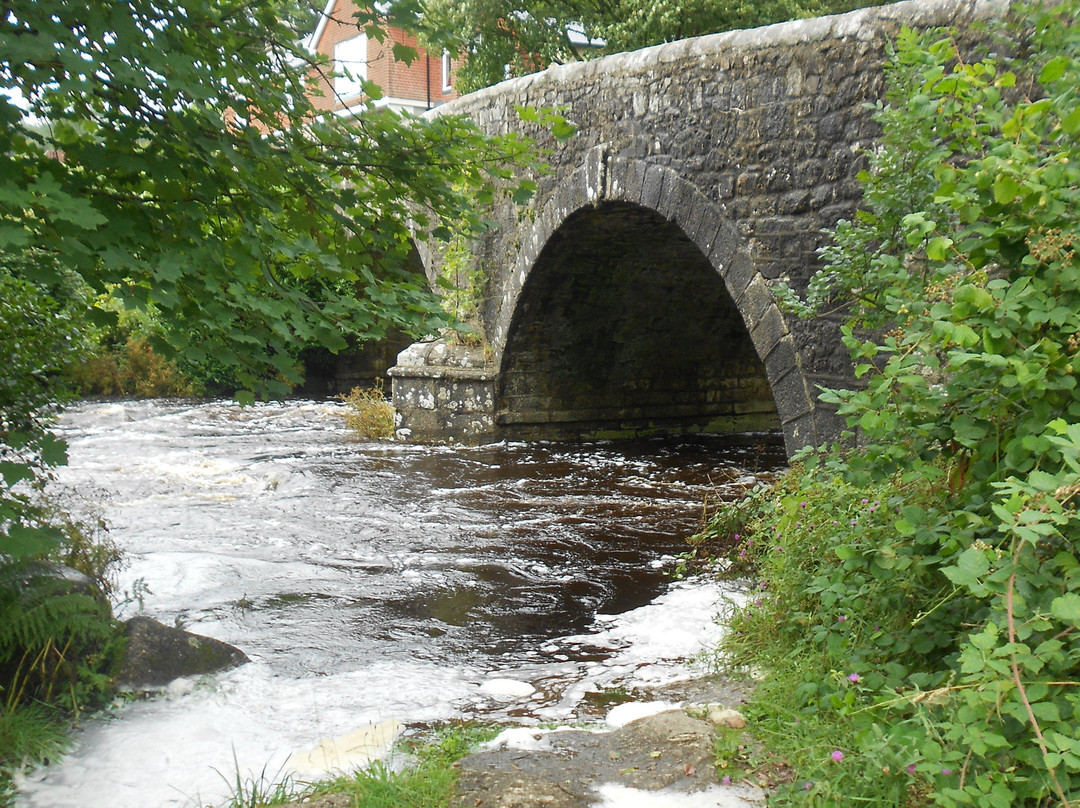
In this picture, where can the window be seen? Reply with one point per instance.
(447, 78)
(350, 66)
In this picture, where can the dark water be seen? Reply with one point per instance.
(364, 579)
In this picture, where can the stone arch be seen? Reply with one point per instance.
(602, 181)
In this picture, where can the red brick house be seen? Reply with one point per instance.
(426, 83)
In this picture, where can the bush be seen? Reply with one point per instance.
(921, 598)
(133, 369)
(369, 414)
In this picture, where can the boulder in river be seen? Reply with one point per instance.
(157, 654)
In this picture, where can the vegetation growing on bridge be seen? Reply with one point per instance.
(919, 606)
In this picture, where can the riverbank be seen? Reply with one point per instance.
(659, 748)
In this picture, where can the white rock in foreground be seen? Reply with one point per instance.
(735, 796)
(507, 688)
(345, 753)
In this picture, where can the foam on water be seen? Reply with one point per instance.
(368, 583)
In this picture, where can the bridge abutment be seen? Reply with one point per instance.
(444, 393)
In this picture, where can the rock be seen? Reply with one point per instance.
(56, 578)
(345, 753)
(157, 654)
(564, 769)
(723, 717)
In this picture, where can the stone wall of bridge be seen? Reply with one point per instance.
(632, 295)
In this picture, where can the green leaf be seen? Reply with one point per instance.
(1066, 608)
(405, 53)
(969, 568)
(26, 542)
(937, 249)
(15, 472)
(1053, 70)
(1006, 189)
(1071, 122)
(53, 450)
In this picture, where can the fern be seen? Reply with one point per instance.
(47, 633)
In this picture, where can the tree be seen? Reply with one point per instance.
(501, 38)
(184, 167)
(166, 153)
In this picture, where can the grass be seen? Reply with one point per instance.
(369, 414)
(30, 734)
(426, 781)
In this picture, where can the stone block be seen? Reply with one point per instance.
(799, 432)
(792, 400)
(626, 179)
(653, 186)
(767, 332)
(782, 359)
(754, 300)
(735, 266)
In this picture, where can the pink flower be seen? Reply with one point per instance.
(911, 768)
(853, 677)
(837, 755)
(725, 780)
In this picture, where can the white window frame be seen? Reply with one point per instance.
(350, 66)
(447, 74)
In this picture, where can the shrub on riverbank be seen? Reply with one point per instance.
(919, 603)
(58, 640)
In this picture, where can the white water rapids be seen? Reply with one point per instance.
(375, 581)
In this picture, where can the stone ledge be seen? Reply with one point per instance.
(438, 372)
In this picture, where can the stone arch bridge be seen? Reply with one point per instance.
(633, 295)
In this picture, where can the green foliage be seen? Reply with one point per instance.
(428, 783)
(184, 167)
(29, 735)
(461, 280)
(57, 632)
(939, 562)
(500, 38)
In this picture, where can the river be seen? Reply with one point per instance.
(375, 580)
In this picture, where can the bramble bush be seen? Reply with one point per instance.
(919, 598)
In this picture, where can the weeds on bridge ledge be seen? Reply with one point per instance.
(369, 413)
(917, 601)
